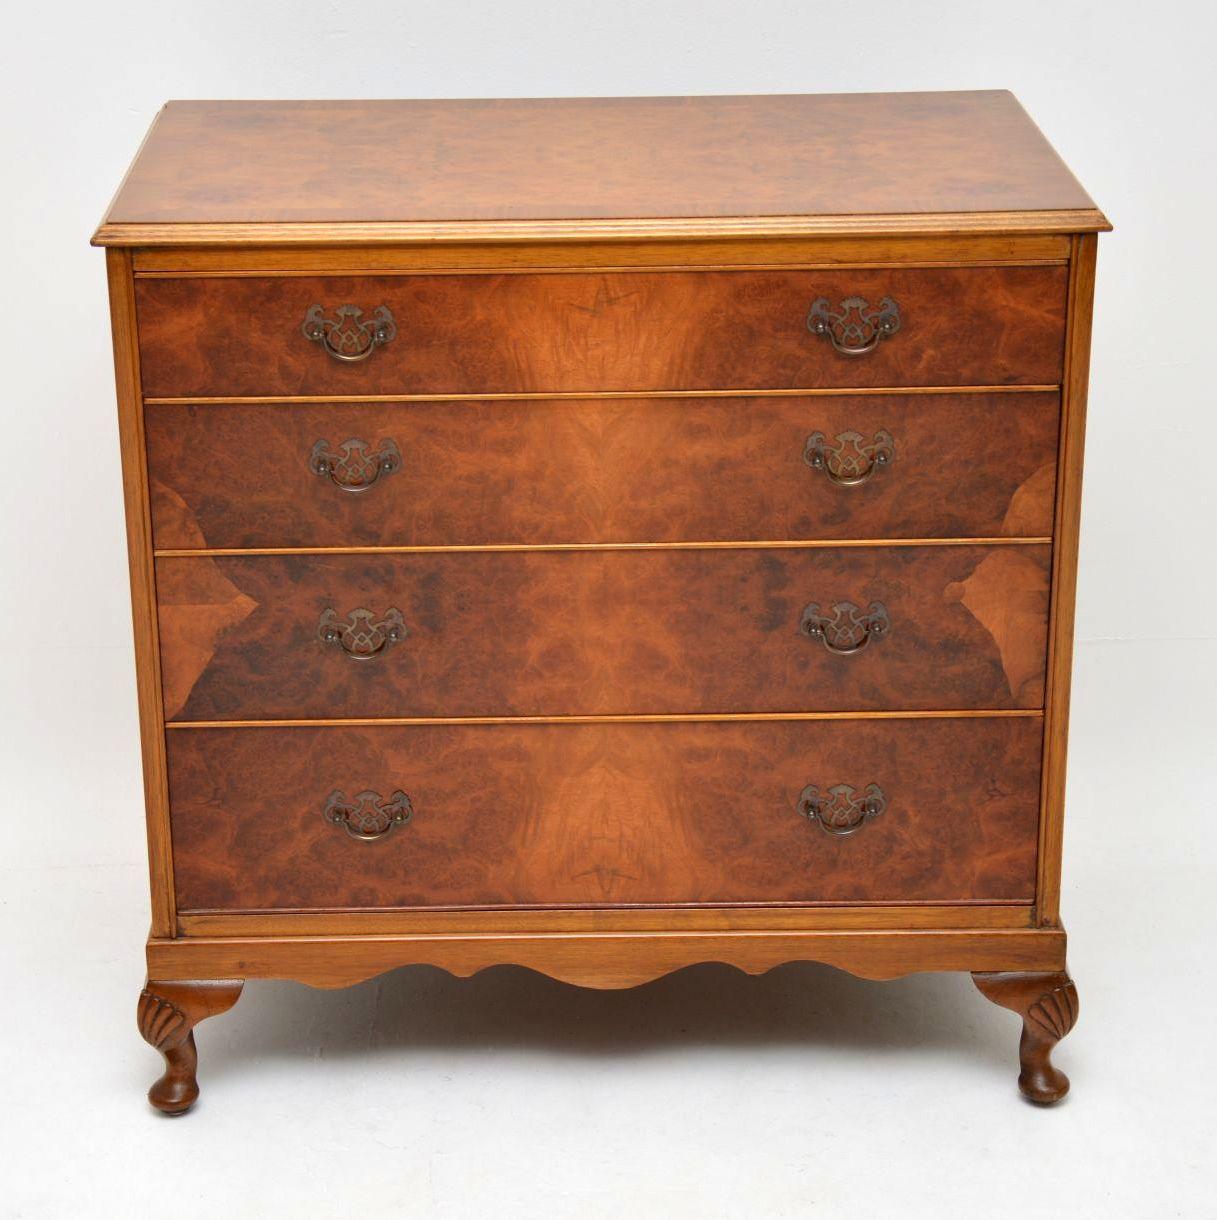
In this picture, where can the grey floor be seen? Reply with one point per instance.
(802, 1093)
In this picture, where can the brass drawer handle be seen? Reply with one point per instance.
(354, 465)
(857, 326)
(841, 810)
(346, 336)
(848, 629)
(361, 635)
(369, 816)
(853, 459)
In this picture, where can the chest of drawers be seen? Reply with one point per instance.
(602, 536)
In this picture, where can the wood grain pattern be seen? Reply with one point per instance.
(642, 718)
(614, 331)
(602, 540)
(140, 234)
(471, 162)
(607, 960)
(755, 917)
(411, 258)
(602, 470)
(588, 632)
(396, 233)
(201, 400)
(606, 814)
(143, 587)
(1064, 582)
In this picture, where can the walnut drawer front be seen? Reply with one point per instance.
(617, 331)
(603, 470)
(603, 632)
(513, 815)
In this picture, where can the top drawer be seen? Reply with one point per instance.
(609, 331)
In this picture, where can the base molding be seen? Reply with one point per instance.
(605, 959)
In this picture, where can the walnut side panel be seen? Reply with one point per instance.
(1064, 576)
(143, 589)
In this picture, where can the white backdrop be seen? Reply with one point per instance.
(1124, 91)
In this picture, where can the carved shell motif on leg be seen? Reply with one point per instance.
(161, 1022)
(1056, 1011)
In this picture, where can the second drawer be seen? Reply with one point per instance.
(603, 470)
(603, 632)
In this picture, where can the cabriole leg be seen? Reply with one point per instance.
(167, 1014)
(1048, 1005)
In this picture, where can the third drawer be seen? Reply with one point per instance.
(603, 632)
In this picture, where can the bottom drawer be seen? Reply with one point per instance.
(868, 810)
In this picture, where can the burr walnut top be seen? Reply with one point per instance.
(359, 171)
